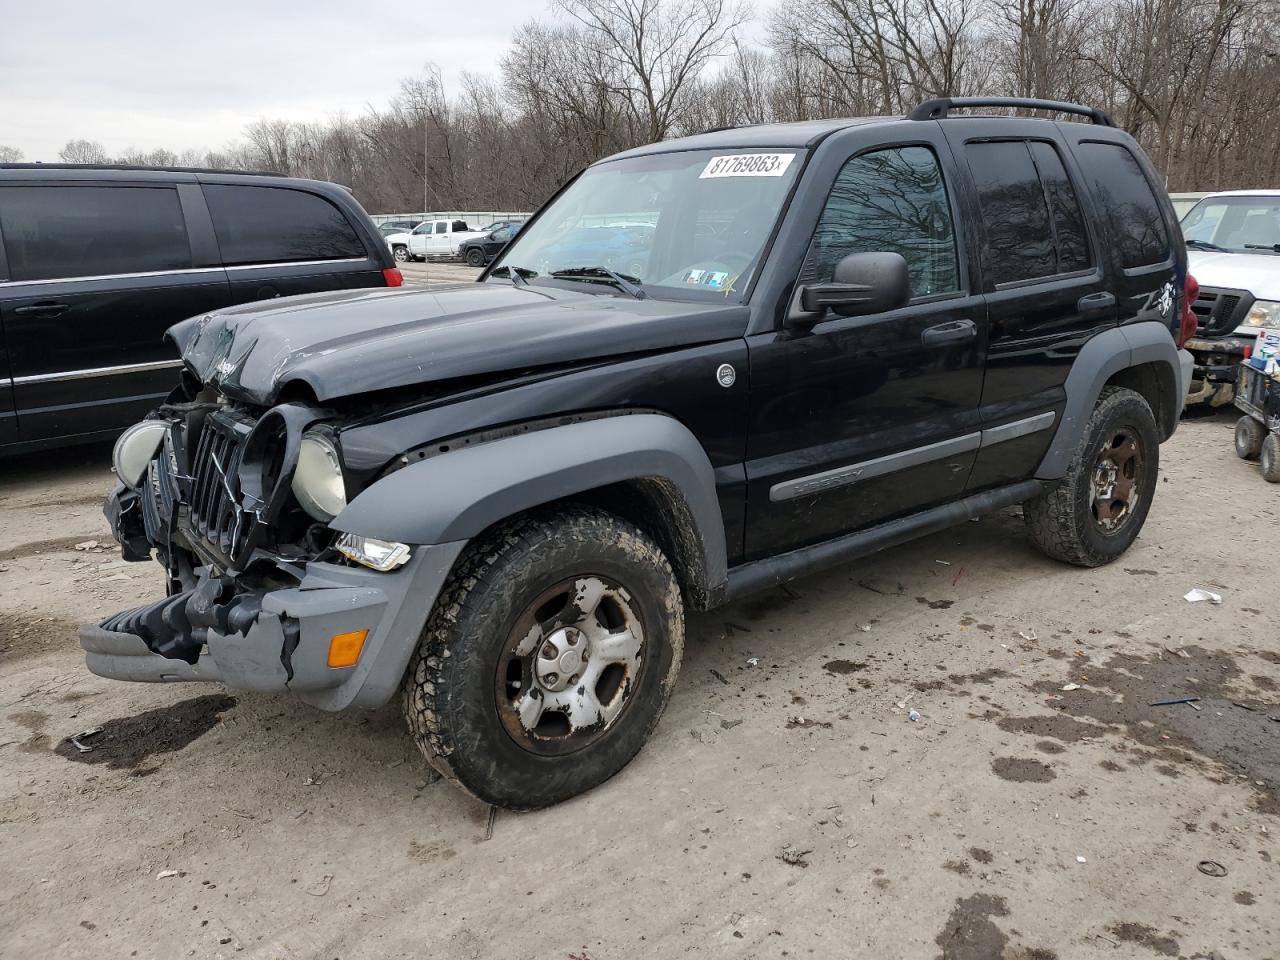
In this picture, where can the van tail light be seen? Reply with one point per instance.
(393, 277)
(1189, 322)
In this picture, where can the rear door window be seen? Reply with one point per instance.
(275, 225)
(1127, 202)
(1069, 233)
(57, 232)
(1014, 210)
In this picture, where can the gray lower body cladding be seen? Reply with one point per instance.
(277, 640)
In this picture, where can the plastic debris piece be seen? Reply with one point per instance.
(1211, 868)
(166, 874)
(1071, 686)
(84, 735)
(1080, 859)
(1028, 635)
(1172, 700)
(913, 716)
(1196, 595)
(753, 661)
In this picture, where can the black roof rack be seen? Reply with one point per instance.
(938, 109)
(135, 166)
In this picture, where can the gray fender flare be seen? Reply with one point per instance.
(454, 496)
(1101, 358)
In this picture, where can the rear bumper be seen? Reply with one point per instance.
(277, 640)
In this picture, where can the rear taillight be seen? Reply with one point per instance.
(393, 277)
(1187, 330)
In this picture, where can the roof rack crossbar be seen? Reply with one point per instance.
(938, 109)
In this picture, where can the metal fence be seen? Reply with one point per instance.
(474, 218)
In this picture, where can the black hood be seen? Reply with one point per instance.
(356, 341)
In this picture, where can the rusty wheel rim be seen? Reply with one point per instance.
(570, 665)
(1115, 486)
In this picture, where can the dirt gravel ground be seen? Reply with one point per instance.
(787, 806)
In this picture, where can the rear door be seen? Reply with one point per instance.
(97, 271)
(1044, 282)
(870, 417)
(279, 241)
(8, 413)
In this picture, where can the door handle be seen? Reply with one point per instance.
(45, 309)
(955, 331)
(1096, 303)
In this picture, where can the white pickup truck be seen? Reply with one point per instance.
(431, 238)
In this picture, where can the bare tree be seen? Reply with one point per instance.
(83, 151)
(9, 154)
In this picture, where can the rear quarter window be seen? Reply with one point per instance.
(1127, 202)
(276, 225)
(58, 232)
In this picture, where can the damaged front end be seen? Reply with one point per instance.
(259, 595)
(1217, 347)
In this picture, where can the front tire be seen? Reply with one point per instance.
(548, 658)
(475, 257)
(1096, 511)
(1250, 435)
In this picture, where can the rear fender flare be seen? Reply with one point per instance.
(1100, 359)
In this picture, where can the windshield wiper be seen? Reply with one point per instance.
(628, 285)
(1273, 247)
(1206, 245)
(519, 275)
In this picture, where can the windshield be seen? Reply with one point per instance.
(1236, 224)
(688, 225)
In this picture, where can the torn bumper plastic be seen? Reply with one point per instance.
(276, 640)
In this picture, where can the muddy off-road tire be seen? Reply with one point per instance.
(548, 658)
(1271, 458)
(1249, 436)
(1095, 512)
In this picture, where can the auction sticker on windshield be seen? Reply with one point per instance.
(747, 165)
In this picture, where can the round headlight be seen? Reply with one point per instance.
(317, 480)
(134, 450)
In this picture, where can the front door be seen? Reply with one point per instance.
(870, 417)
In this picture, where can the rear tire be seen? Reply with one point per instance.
(401, 254)
(1271, 458)
(1096, 511)
(575, 591)
(1250, 435)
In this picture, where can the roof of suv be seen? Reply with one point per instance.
(133, 166)
(67, 172)
(800, 133)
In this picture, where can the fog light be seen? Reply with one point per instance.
(381, 555)
(344, 648)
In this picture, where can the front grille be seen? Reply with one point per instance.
(215, 513)
(1219, 311)
(160, 494)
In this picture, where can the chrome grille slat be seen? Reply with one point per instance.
(214, 508)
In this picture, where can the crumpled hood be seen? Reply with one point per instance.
(356, 341)
(1259, 273)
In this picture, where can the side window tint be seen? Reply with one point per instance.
(1126, 199)
(460, 226)
(889, 201)
(1068, 221)
(441, 226)
(274, 225)
(55, 232)
(1019, 237)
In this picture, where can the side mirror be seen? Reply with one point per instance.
(863, 283)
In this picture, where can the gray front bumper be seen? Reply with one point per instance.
(330, 599)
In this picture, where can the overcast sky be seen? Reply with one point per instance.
(146, 74)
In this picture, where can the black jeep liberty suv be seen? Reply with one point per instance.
(500, 497)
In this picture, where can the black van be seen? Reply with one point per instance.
(97, 262)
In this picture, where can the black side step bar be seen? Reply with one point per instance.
(938, 109)
(773, 571)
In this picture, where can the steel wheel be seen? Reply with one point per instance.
(570, 666)
(1116, 482)
(401, 254)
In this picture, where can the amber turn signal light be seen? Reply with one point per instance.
(344, 648)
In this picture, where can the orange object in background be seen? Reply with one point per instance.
(344, 648)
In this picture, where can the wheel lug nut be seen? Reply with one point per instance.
(549, 650)
(573, 679)
(552, 678)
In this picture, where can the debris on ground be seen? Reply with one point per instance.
(753, 661)
(321, 888)
(1071, 686)
(805, 723)
(913, 716)
(166, 874)
(1080, 859)
(1028, 635)
(1211, 868)
(793, 857)
(1196, 595)
(86, 545)
(84, 735)
(1174, 700)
